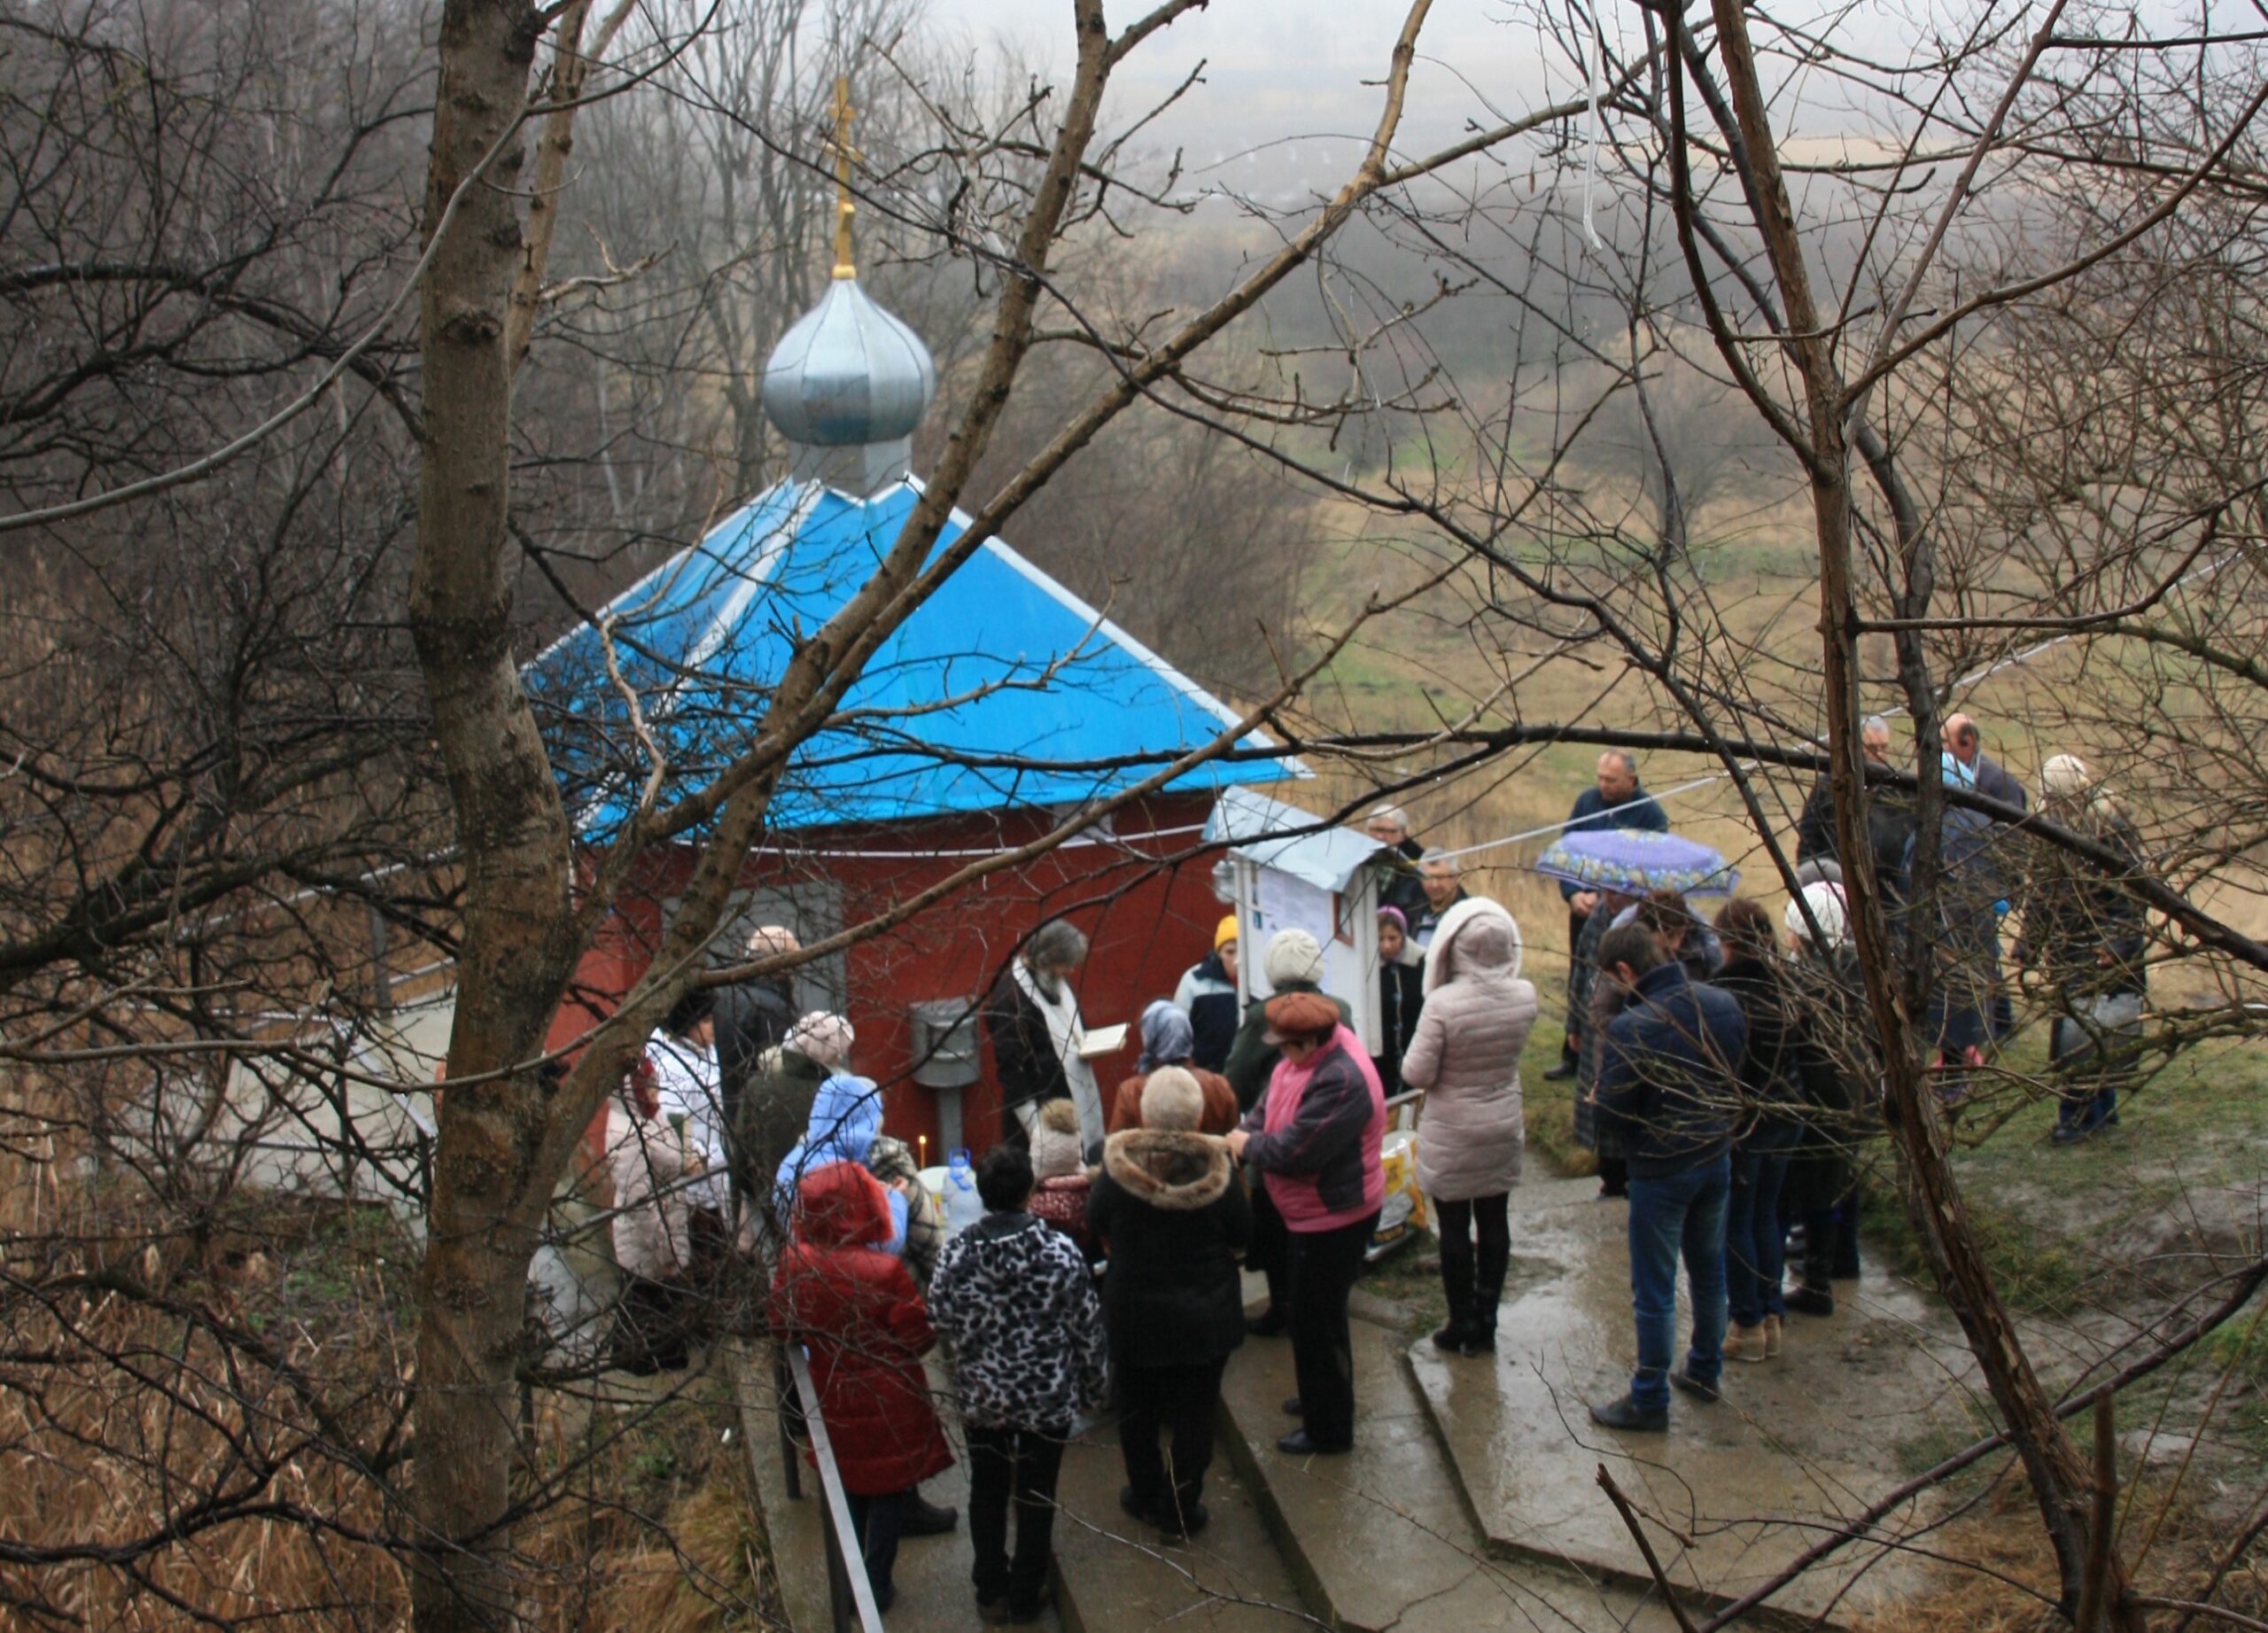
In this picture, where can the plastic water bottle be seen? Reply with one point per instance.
(963, 1206)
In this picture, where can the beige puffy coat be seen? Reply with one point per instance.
(1466, 1055)
(652, 1224)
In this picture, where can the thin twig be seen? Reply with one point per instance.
(2102, 1538)
(1638, 1533)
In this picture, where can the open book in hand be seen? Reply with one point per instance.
(1099, 1042)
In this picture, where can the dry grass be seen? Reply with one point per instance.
(716, 1577)
(226, 1369)
(2003, 1576)
(122, 1408)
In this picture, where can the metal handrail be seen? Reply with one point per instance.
(847, 1586)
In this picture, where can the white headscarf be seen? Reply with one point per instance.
(1828, 906)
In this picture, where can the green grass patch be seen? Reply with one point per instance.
(2036, 1275)
(2062, 1226)
(1549, 1106)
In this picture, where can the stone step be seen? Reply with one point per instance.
(1113, 1574)
(1733, 1491)
(1381, 1538)
(934, 1592)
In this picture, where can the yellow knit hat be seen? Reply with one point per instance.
(1225, 932)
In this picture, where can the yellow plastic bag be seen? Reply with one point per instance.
(1402, 1214)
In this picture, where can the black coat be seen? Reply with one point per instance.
(2075, 918)
(1769, 1091)
(1833, 1054)
(1669, 1072)
(772, 1113)
(1401, 995)
(1210, 998)
(1023, 1052)
(1890, 830)
(1815, 828)
(1252, 1058)
(751, 1017)
(1399, 883)
(1175, 1222)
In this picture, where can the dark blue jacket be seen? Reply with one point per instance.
(1590, 811)
(1210, 998)
(1670, 1073)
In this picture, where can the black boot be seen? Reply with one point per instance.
(1481, 1337)
(1456, 1282)
(1810, 1300)
(918, 1516)
(1822, 1243)
(1487, 1298)
(1845, 1265)
(1456, 1337)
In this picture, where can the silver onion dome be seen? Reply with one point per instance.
(847, 373)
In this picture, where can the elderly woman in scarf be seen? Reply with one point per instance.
(1401, 996)
(1168, 1039)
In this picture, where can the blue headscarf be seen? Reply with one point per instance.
(1166, 1036)
(846, 1115)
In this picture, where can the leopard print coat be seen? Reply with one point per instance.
(1016, 1299)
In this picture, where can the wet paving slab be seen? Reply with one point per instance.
(1734, 1491)
(1381, 1538)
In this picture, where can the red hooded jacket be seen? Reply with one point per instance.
(855, 1307)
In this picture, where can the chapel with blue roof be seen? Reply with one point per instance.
(1001, 703)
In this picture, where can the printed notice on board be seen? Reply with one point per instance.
(1294, 903)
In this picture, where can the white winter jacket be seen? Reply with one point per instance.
(686, 1080)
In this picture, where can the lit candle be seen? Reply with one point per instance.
(925, 1150)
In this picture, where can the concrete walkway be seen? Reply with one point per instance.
(1112, 1575)
(1734, 1491)
(1383, 1539)
(1470, 1499)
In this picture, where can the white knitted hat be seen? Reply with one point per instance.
(1292, 955)
(825, 1037)
(1828, 906)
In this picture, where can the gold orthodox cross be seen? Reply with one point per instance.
(844, 153)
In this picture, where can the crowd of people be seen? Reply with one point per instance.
(1721, 1078)
(1722, 1083)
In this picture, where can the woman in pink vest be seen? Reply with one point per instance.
(1313, 1139)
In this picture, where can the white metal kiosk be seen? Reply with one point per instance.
(1288, 870)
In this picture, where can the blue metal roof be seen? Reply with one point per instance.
(995, 692)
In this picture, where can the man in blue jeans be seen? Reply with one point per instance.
(1669, 1076)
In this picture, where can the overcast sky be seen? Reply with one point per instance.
(1285, 100)
(1279, 69)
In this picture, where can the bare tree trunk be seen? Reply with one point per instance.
(491, 1173)
(2061, 1482)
